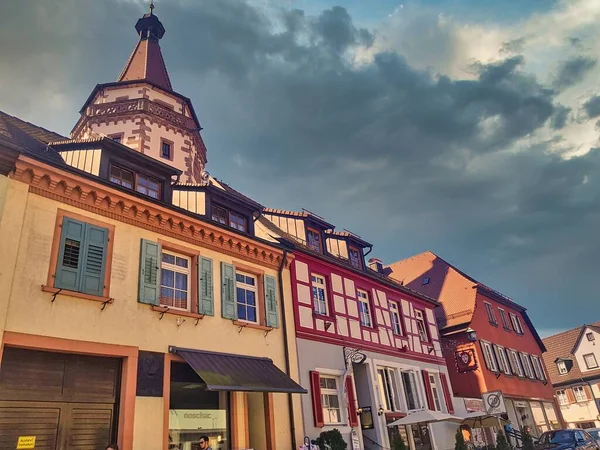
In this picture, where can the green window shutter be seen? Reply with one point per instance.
(228, 301)
(94, 260)
(69, 264)
(205, 287)
(272, 318)
(149, 289)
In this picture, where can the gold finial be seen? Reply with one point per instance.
(151, 6)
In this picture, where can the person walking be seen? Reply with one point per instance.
(204, 443)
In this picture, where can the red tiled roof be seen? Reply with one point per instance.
(147, 63)
(560, 346)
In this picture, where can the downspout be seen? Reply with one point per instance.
(285, 345)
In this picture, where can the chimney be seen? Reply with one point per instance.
(376, 265)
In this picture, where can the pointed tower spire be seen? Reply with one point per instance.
(146, 63)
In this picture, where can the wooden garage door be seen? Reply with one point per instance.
(66, 401)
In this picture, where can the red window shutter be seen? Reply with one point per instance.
(352, 415)
(428, 392)
(588, 392)
(315, 384)
(447, 395)
(570, 395)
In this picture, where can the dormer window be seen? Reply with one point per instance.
(313, 238)
(562, 367)
(354, 257)
(121, 176)
(230, 218)
(131, 180)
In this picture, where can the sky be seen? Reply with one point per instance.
(465, 127)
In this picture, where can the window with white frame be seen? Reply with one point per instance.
(175, 279)
(590, 361)
(388, 389)
(421, 326)
(246, 295)
(330, 400)
(435, 392)
(490, 313)
(488, 355)
(538, 368)
(395, 317)
(580, 395)
(561, 395)
(409, 382)
(502, 359)
(319, 294)
(516, 323)
(364, 308)
(562, 367)
(505, 323)
(515, 363)
(527, 365)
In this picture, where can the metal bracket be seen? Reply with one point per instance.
(268, 331)
(55, 294)
(197, 320)
(162, 313)
(241, 327)
(106, 303)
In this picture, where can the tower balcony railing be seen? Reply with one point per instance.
(141, 105)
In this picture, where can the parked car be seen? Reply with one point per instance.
(570, 439)
(595, 433)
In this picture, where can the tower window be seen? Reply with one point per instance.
(166, 148)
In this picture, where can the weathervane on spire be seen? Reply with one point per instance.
(151, 6)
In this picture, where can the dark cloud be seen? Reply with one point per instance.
(592, 107)
(572, 71)
(408, 159)
(513, 46)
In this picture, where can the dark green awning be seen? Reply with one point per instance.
(228, 372)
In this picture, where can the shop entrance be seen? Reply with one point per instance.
(66, 401)
(421, 436)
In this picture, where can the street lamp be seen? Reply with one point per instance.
(471, 334)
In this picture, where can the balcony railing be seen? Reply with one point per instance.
(141, 105)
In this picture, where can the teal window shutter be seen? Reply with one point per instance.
(272, 318)
(206, 288)
(69, 264)
(149, 289)
(94, 260)
(228, 300)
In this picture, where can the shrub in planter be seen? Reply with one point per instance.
(331, 440)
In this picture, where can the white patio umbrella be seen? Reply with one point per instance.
(480, 419)
(426, 416)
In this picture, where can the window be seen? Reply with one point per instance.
(590, 336)
(388, 390)
(82, 257)
(410, 390)
(313, 237)
(562, 397)
(175, 279)
(246, 287)
(426, 281)
(527, 365)
(504, 319)
(490, 313)
(319, 294)
(165, 151)
(230, 218)
(117, 138)
(590, 361)
(435, 392)
(121, 176)
(395, 316)
(364, 308)
(580, 395)
(516, 324)
(421, 325)
(330, 400)
(515, 363)
(562, 367)
(148, 186)
(488, 355)
(354, 257)
(538, 368)
(502, 359)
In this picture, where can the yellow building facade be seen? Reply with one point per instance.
(130, 315)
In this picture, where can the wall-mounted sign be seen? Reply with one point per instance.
(25, 442)
(150, 374)
(465, 360)
(354, 355)
(494, 403)
(355, 441)
(198, 419)
(366, 418)
(474, 405)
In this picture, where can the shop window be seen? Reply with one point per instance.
(195, 412)
(319, 294)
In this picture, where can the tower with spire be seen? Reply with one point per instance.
(141, 109)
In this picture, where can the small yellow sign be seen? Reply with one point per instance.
(26, 442)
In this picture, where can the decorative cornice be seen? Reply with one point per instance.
(71, 189)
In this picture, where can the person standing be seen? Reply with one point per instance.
(204, 443)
